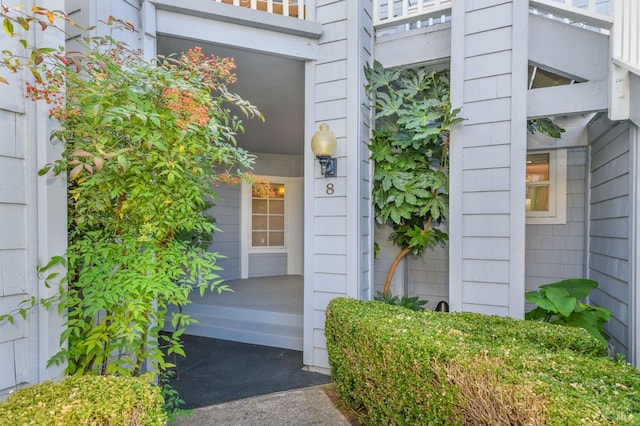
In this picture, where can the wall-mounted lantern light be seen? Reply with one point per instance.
(323, 145)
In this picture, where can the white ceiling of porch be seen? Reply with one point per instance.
(274, 84)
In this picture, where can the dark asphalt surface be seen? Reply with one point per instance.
(216, 371)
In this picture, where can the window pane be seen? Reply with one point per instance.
(276, 207)
(259, 239)
(537, 167)
(259, 206)
(278, 190)
(276, 223)
(537, 198)
(259, 223)
(267, 217)
(276, 239)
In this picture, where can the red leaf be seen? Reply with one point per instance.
(76, 62)
(73, 174)
(99, 162)
(62, 59)
(81, 153)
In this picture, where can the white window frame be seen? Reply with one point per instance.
(292, 225)
(557, 213)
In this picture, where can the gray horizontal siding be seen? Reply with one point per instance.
(267, 264)
(227, 241)
(609, 228)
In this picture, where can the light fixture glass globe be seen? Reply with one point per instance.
(323, 142)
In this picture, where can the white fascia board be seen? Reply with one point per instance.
(581, 98)
(190, 27)
(241, 15)
(430, 45)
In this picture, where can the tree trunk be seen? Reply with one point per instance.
(393, 267)
(399, 257)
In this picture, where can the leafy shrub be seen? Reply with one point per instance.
(559, 303)
(410, 302)
(145, 143)
(406, 367)
(86, 400)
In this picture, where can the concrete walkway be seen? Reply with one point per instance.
(308, 406)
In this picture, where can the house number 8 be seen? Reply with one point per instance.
(330, 189)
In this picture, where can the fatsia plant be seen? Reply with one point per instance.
(145, 143)
(559, 303)
(410, 149)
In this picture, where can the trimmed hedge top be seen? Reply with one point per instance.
(408, 367)
(86, 400)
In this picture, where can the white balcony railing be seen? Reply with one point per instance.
(408, 14)
(391, 13)
(293, 8)
(625, 35)
(591, 14)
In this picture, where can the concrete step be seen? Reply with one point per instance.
(246, 325)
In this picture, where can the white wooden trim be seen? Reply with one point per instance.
(619, 84)
(518, 152)
(456, 162)
(245, 232)
(148, 31)
(634, 252)
(309, 205)
(294, 225)
(352, 170)
(49, 208)
(557, 213)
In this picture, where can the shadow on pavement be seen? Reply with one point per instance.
(216, 371)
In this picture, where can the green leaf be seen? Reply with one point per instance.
(578, 288)
(563, 301)
(543, 303)
(8, 27)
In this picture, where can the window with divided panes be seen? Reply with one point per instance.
(267, 217)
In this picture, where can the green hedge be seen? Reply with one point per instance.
(86, 400)
(420, 368)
